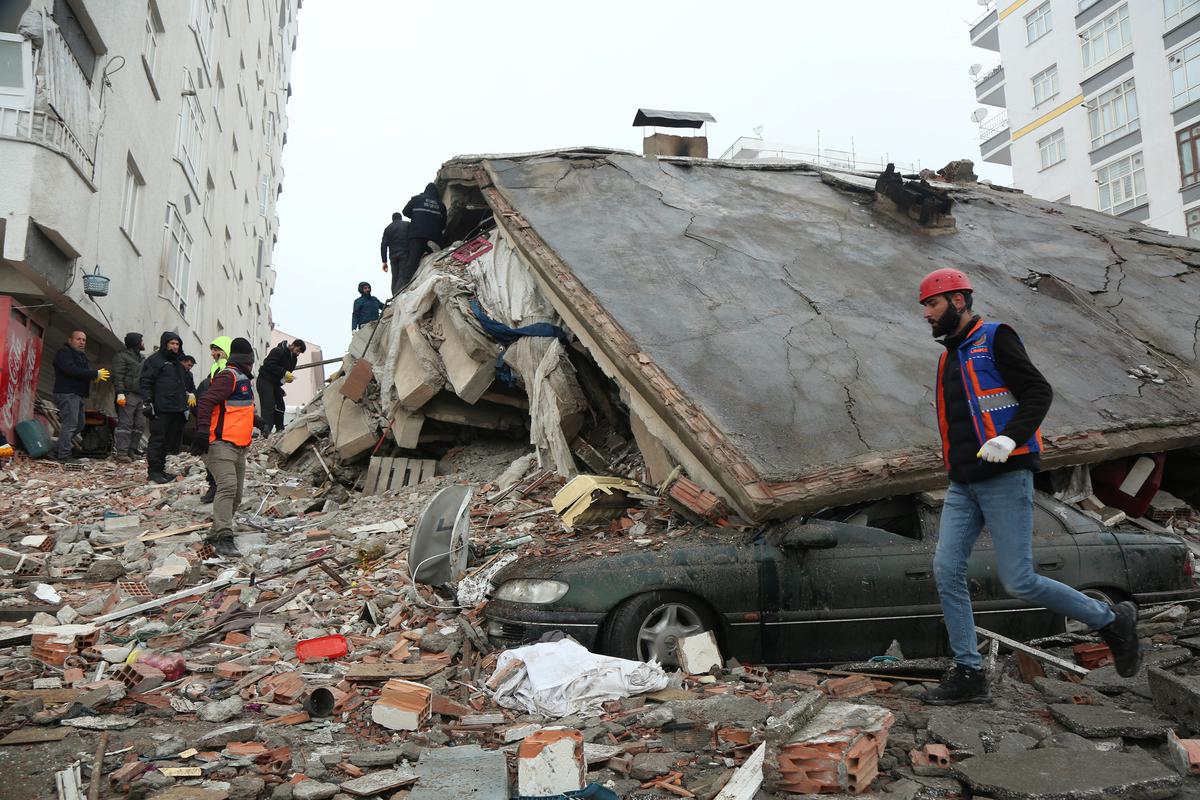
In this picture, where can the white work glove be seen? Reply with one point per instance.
(997, 449)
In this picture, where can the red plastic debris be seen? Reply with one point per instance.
(323, 647)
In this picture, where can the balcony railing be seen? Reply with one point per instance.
(48, 131)
(991, 127)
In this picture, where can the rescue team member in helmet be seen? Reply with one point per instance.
(367, 307)
(226, 414)
(991, 400)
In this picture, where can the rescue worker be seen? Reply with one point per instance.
(226, 415)
(428, 217)
(367, 307)
(276, 370)
(991, 400)
(219, 350)
(127, 367)
(394, 249)
(73, 376)
(164, 399)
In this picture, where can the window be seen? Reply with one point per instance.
(1122, 184)
(16, 72)
(269, 132)
(75, 35)
(198, 308)
(1185, 74)
(1173, 10)
(1106, 38)
(206, 210)
(1113, 114)
(1189, 157)
(191, 130)
(204, 22)
(1045, 85)
(1037, 23)
(1192, 218)
(177, 260)
(259, 265)
(154, 27)
(1053, 148)
(218, 97)
(264, 192)
(131, 197)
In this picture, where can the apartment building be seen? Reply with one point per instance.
(140, 141)
(1100, 104)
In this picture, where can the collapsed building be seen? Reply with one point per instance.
(752, 324)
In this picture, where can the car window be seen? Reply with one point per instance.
(1046, 523)
(896, 515)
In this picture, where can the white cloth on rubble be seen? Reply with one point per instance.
(563, 677)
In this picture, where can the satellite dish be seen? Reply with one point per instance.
(758, 129)
(979, 115)
(975, 70)
(437, 551)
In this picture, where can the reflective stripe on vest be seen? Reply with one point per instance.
(233, 420)
(992, 404)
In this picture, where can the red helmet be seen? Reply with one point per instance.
(940, 281)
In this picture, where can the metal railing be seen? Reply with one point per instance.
(989, 74)
(48, 131)
(748, 148)
(992, 127)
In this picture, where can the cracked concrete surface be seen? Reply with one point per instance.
(785, 308)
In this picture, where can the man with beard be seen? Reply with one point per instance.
(165, 398)
(127, 367)
(991, 400)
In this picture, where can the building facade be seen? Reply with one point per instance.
(140, 141)
(1100, 104)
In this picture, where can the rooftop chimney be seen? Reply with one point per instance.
(667, 144)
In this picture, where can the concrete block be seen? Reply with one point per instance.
(1175, 695)
(1185, 754)
(417, 376)
(121, 523)
(406, 427)
(469, 376)
(1050, 772)
(349, 425)
(294, 437)
(1100, 721)
(699, 653)
(463, 771)
(550, 762)
(403, 705)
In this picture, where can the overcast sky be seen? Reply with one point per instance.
(383, 92)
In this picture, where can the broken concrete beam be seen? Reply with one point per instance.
(450, 409)
(417, 376)
(1050, 772)
(349, 425)
(658, 460)
(550, 762)
(294, 437)
(406, 427)
(357, 380)
(698, 654)
(469, 375)
(1101, 721)
(1175, 695)
(403, 705)
(379, 782)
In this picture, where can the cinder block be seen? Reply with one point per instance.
(550, 762)
(699, 653)
(403, 705)
(1185, 754)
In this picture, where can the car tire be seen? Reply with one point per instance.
(647, 625)
(1104, 595)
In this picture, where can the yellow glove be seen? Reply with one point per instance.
(288, 377)
(121, 399)
(6, 451)
(191, 400)
(102, 374)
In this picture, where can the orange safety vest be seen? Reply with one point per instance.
(233, 420)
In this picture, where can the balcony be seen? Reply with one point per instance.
(989, 89)
(995, 140)
(49, 132)
(985, 32)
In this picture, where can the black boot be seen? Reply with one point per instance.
(208, 496)
(160, 477)
(959, 685)
(1121, 636)
(225, 546)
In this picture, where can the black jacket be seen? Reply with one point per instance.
(163, 382)
(1028, 385)
(428, 215)
(395, 240)
(277, 362)
(73, 373)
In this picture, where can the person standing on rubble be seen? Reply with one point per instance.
(367, 307)
(127, 367)
(218, 348)
(991, 401)
(73, 376)
(394, 249)
(276, 370)
(428, 216)
(225, 422)
(165, 398)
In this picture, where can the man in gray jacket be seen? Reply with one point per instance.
(127, 369)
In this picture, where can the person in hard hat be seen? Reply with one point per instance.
(127, 366)
(276, 370)
(991, 401)
(73, 377)
(367, 307)
(225, 423)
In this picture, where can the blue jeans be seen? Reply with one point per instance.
(1005, 505)
(70, 420)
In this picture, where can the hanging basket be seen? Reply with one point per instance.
(95, 285)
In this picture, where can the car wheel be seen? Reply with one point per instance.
(648, 626)
(1109, 596)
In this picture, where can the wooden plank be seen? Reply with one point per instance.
(1062, 664)
(381, 672)
(428, 469)
(36, 735)
(372, 476)
(384, 482)
(379, 782)
(399, 473)
(745, 782)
